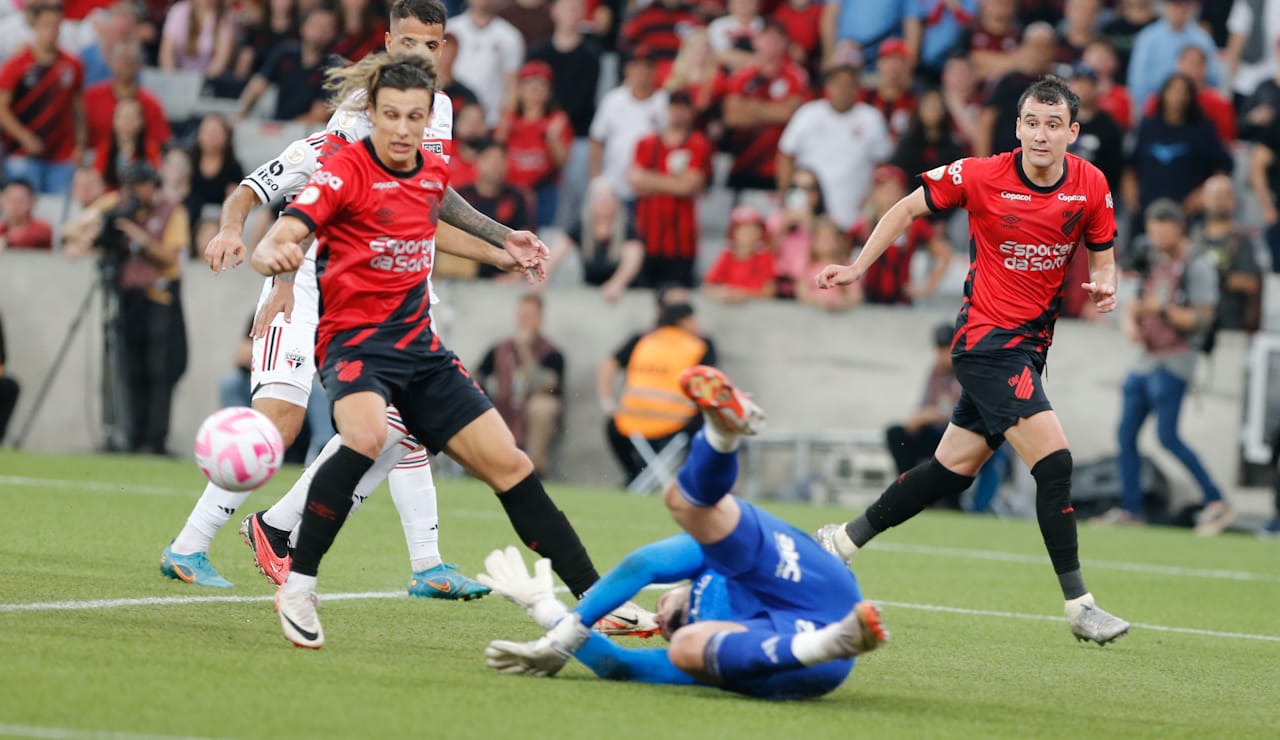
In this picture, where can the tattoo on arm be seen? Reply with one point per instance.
(457, 212)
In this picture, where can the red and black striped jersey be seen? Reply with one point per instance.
(41, 96)
(1021, 237)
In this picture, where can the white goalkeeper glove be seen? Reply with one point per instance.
(507, 575)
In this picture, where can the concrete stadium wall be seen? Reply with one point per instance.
(809, 369)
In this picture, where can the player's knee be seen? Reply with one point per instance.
(1053, 477)
(688, 650)
(367, 440)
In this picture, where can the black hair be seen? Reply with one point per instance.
(22, 183)
(1051, 90)
(1193, 111)
(430, 12)
(664, 290)
(673, 314)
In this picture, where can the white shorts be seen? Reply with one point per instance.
(284, 363)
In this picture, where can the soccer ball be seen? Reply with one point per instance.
(238, 449)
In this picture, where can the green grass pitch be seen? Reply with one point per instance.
(999, 663)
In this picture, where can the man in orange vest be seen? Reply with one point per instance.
(651, 404)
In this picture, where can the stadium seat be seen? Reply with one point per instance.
(258, 141)
(177, 89)
(660, 467)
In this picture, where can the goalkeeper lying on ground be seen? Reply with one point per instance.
(769, 613)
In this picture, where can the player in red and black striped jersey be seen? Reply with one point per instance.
(1028, 211)
(41, 109)
(374, 208)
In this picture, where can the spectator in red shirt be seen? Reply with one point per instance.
(744, 271)
(470, 133)
(362, 27)
(538, 137)
(19, 228)
(892, 93)
(100, 99)
(829, 247)
(41, 109)
(993, 41)
(658, 27)
(127, 144)
(761, 100)
(963, 95)
(667, 174)
(1113, 97)
(803, 21)
(1215, 106)
(889, 278)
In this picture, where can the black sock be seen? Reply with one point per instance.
(1057, 519)
(907, 496)
(328, 503)
(546, 530)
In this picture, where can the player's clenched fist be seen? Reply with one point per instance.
(225, 247)
(1103, 295)
(273, 258)
(833, 276)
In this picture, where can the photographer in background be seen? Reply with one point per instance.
(141, 236)
(8, 389)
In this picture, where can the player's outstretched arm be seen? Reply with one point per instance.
(1102, 279)
(226, 249)
(665, 561)
(454, 241)
(280, 250)
(892, 225)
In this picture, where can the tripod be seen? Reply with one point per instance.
(113, 391)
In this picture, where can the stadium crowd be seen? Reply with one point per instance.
(609, 126)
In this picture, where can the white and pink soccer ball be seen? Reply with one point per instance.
(238, 449)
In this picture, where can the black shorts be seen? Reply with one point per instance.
(997, 390)
(427, 382)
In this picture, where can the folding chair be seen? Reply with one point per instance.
(660, 467)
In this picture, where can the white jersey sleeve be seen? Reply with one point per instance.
(284, 176)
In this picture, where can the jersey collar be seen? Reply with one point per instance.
(401, 174)
(1042, 189)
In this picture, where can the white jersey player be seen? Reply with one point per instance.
(283, 366)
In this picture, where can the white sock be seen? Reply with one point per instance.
(812, 648)
(1074, 606)
(298, 582)
(719, 439)
(414, 494)
(844, 544)
(214, 509)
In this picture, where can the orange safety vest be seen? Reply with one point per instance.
(652, 404)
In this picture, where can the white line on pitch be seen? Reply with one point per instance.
(66, 733)
(96, 486)
(368, 595)
(1012, 557)
(928, 550)
(1047, 618)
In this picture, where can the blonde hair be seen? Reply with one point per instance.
(682, 70)
(352, 87)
